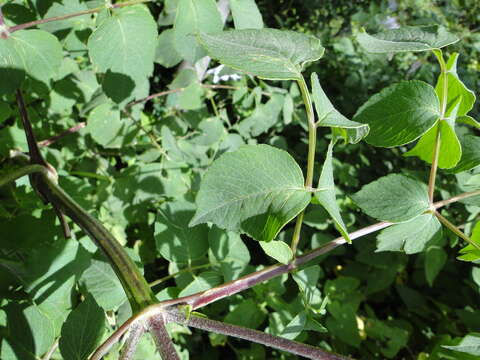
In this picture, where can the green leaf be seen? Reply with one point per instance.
(194, 16)
(256, 189)
(295, 326)
(104, 125)
(471, 252)
(248, 314)
(407, 38)
(307, 280)
(277, 250)
(229, 250)
(328, 116)
(393, 198)
(435, 259)
(83, 330)
(325, 194)
(202, 282)
(399, 114)
(102, 283)
(458, 94)
(266, 53)
(470, 344)
(470, 154)
(35, 53)
(176, 241)
(264, 117)
(246, 14)
(166, 54)
(450, 147)
(411, 236)
(115, 50)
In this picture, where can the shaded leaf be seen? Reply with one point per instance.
(328, 116)
(266, 53)
(325, 194)
(277, 250)
(435, 259)
(470, 154)
(411, 236)
(176, 241)
(83, 330)
(394, 198)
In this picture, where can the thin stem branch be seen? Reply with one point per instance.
(438, 139)
(55, 138)
(21, 172)
(457, 198)
(48, 355)
(456, 230)
(72, 15)
(159, 332)
(312, 145)
(256, 336)
(128, 350)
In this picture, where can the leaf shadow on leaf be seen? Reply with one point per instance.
(117, 87)
(23, 348)
(137, 192)
(72, 269)
(11, 79)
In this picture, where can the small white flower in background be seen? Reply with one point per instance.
(220, 73)
(391, 23)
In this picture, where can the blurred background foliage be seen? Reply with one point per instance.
(379, 305)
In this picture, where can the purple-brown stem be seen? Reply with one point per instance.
(55, 138)
(72, 15)
(256, 336)
(159, 332)
(128, 350)
(206, 297)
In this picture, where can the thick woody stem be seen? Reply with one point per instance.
(256, 336)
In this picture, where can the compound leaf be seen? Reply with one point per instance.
(256, 190)
(407, 38)
(394, 198)
(266, 53)
(400, 113)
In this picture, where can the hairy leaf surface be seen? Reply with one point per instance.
(394, 198)
(266, 53)
(407, 38)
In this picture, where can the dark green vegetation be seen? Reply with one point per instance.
(139, 167)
